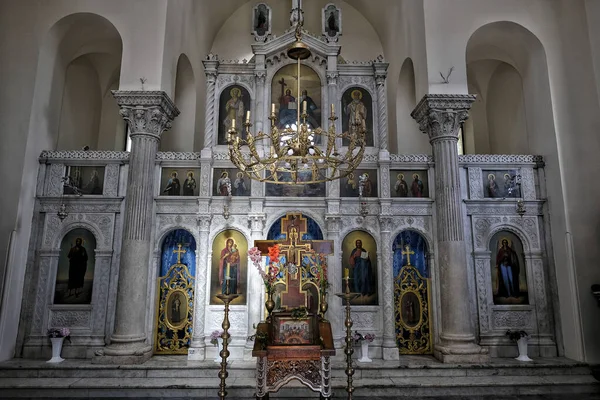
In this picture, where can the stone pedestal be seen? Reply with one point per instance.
(441, 116)
(149, 114)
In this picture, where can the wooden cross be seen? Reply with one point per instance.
(179, 253)
(283, 85)
(293, 248)
(408, 253)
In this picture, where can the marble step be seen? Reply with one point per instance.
(568, 386)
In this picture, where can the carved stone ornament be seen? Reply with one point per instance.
(440, 115)
(146, 112)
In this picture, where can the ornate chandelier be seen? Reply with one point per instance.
(296, 154)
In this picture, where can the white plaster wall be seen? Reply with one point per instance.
(81, 106)
(506, 112)
(181, 135)
(408, 138)
(359, 40)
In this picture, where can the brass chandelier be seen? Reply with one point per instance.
(289, 155)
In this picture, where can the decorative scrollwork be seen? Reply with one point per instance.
(413, 325)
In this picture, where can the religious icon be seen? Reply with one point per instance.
(501, 184)
(189, 185)
(178, 246)
(357, 109)
(76, 266)
(509, 282)
(229, 265)
(410, 309)
(233, 104)
(177, 309)
(293, 190)
(261, 22)
(410, 248)
(409, 183)
(292, 331)
(284, 93)
(84, 180)
(359, 256)
(170, 182)
(225, 184)
(332, 22)
(351, 185)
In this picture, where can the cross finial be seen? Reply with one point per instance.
(143, 80)
(407, 253)
(179, 253)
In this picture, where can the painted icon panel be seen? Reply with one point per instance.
(357, 113)
(501, 183)
(233, 104)
(230, 179)
(76, 266)
(509, 280)
(293, 190)
(229, 260)
(179, 181)
(359, 261)
(85, 180)
(350, 187)
(404, 183)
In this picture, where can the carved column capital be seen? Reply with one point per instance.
(260, 76)
(204, 221)
(333, 222)
(380, 71)
(332, 77)
(386, 223)
(211, 63)
(257, 222)
(441, 115)
(146, 112)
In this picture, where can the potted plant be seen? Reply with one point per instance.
(364, 341)
(521, 338)
(217, 341)
(57, 337)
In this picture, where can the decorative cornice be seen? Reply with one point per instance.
(93, 155)
(147, 112)
(411, 158)
(501, 159)
(176, 156)
(441, 115)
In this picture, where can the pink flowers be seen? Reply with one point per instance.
(270, 276)
(358, 337)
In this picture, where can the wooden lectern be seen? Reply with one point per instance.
(292, 344)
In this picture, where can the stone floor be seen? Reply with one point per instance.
(416, 377)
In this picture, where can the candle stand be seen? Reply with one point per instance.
(226, 298)
(349, 348)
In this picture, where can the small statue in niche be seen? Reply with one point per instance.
(332, 22)
(261, 22)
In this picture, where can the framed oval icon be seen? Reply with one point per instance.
(177, 309)
(410, 310)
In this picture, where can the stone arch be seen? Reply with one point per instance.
(165, 231)
(521, 234)
(80, 51)
(193, 246)
(314, 216)
(64, 230)
(501, 52)
(426, 235)
(182, 136)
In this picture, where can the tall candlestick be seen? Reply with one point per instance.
(346, 273)
(233, 124)
(304, 106)
(248, 116)
(332, 109)
(272, 108)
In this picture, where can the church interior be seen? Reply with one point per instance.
(300, 199)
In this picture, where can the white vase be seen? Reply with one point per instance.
(522, 345)
(364, 355)
(57, 344)
(219, 347)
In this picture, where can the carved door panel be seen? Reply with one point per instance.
(412, 312)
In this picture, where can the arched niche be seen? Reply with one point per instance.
(171, 253)
(79, 63)
(408, 139)
(76, 266)
(508, 269)
(410, 248)
(229, 259)
(359, 263)
(314, 231)
(181, 136)
(507, 69)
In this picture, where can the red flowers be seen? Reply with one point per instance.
(274, 253)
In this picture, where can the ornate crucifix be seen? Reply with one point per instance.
(179, 253)
(407, 253)
(294, 248)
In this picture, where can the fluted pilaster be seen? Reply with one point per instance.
(148, 114)
(440, 116)
(380, 70)
(210, 69)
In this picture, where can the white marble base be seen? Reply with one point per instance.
(391, 353)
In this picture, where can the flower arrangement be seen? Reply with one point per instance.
(215, 336)
(322, 272)
(515, 335)
(60, 332)
(358, 337)
(270, 275)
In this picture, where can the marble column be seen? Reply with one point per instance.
(332, 91)
(197, 350)
(440, 116)
(380, 71)
(149, 114)
(389, 346)
(255, 293)
(335, 312)
(210, 69)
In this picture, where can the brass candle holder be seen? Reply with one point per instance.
(349, 348)
(223, 374)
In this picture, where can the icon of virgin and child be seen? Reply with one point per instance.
(229, 267)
